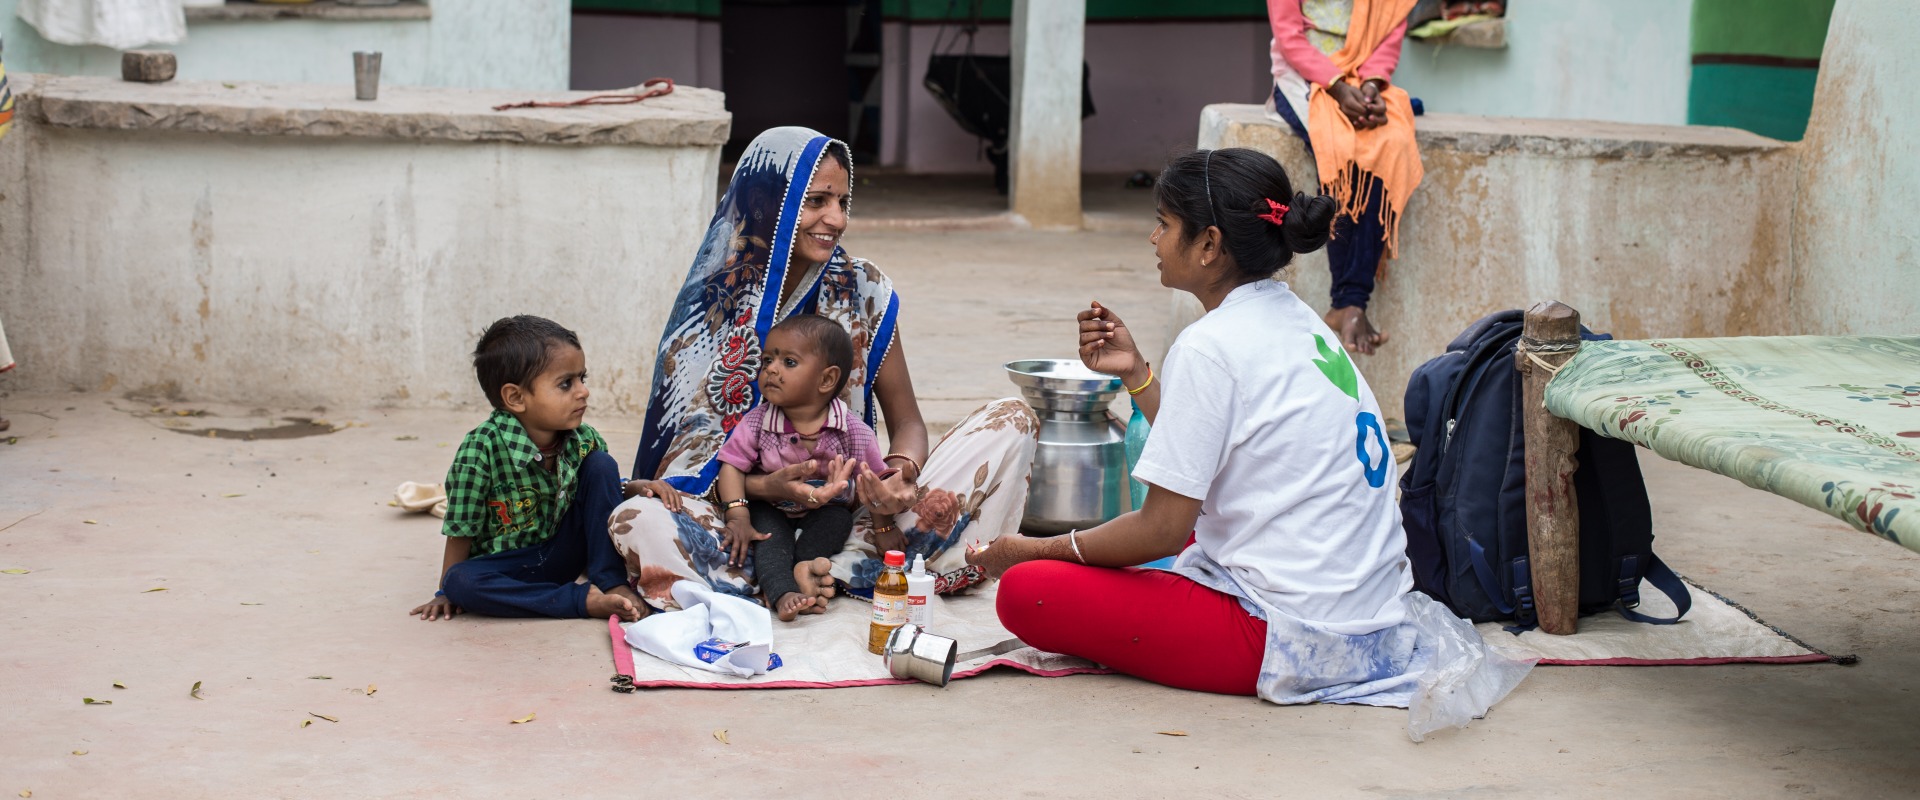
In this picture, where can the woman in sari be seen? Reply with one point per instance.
(772, 251)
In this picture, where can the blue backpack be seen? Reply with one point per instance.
(1463, 499)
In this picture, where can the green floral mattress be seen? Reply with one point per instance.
(1830, 421)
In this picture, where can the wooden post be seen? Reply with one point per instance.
(1552, 335)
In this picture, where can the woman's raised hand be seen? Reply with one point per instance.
(891, 495)
(1107, 346)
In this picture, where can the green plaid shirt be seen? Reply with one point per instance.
(498, 492)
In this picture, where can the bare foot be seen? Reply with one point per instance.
(816, 579)
(792, 604)
(633, 597)
(1356, 333)
(601, 605)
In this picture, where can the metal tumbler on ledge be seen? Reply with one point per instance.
(366, 75)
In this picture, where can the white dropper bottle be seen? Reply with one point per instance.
(919, 589)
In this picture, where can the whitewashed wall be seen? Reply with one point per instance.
(507, 44)
(296, 271)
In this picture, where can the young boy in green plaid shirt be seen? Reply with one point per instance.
(530, 490)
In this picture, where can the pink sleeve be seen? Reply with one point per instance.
(1290, 39)
(742, 448)
(866, 445)
(1386, 57)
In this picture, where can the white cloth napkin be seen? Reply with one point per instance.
(706, 614)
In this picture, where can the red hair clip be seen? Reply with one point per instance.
(1279, 214)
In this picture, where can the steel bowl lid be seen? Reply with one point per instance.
(1060, 375)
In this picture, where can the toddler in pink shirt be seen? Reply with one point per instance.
(803, 370)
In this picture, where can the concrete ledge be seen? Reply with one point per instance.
(236, 10)
(688, 117)
(1648, 230)
(1559, 138)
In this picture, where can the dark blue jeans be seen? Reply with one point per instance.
(538, 580)
(1353, 254)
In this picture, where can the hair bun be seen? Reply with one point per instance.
(1309, 223)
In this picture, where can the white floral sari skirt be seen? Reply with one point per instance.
(972, 489)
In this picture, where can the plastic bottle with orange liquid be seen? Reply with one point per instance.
(889, 602)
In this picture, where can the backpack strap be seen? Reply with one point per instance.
(1483, 572)
(1662, 577)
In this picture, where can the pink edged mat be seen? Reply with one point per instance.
(1715, 631)
(825, 651)
(830, 650)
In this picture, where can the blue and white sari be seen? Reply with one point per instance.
(704, 375)
(973, 486)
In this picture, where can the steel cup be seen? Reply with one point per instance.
(914, 653)
(366, 76)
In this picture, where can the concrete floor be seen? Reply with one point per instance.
(282, 561)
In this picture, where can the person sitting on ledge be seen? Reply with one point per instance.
(1333, 63)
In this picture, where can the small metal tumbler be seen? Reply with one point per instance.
(366, 76)
(914, 653)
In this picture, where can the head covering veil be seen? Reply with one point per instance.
(706, 369)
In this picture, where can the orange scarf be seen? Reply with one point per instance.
(1349, 159)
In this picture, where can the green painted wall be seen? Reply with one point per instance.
(1755, 63)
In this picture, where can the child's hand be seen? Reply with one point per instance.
(669, 496)
(738, 541)
(437, 608)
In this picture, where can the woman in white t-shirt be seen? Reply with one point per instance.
(1268, 472)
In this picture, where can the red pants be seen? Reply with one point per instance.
(1146, 623)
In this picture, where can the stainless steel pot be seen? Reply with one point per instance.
(1080, 467)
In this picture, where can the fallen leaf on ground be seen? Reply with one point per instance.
(155, 589)
(90, 521)
(527, 718)
(26, 792)
(92, 702)
(79, 752)
(16, 571)
(16, 440)
(405, 438)
(392, 503)
(1171, 733)
(371, 689)
(322, 422)
(230, 86)
(319, 677)
(305, 722)
(721, 735)
(253, 604)
(195, 691)
(119, 685)
(325, 717)
(235, 494)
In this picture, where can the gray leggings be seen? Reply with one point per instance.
(822, 533)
